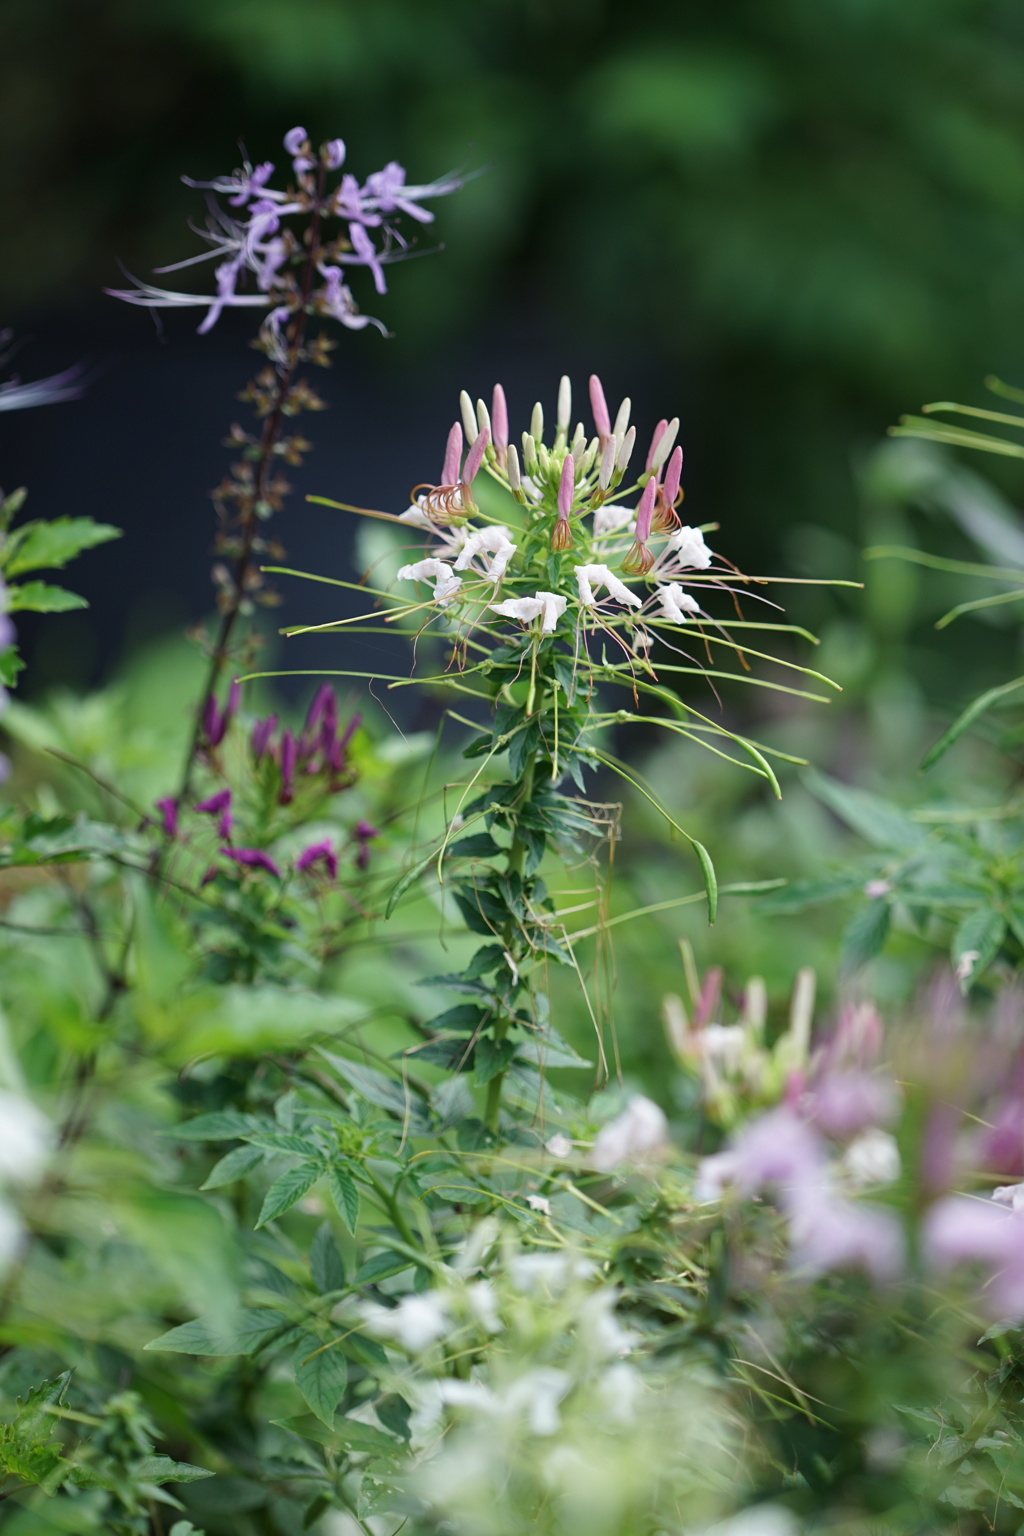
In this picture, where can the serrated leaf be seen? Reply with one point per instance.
(325, 1262)
(252, 1327)
(282, 1141)
(232, 1166)
(383, 1091)
(491, 1057)
(47, 546)
(162, 1469)
(40, 597)
(321, 1375)
(345, 1194)
(976, 944)
(865, 935)
(219, 1125)
(289, 1188)
(381, 1267)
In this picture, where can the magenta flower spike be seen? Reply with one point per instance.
(252, 858)
(214, 724)
(452, 456)
(363, 833)
(234, 699)
(499, 420)
(475, 457)
(168, 809)
(561, 538)
(318, 853)
(218, 805)
(599, 409)
(262, 731)
(324, 707)
(287, 761)
(655, 440)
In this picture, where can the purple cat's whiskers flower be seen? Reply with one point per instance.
(367, 255)
(218, 805)
(827, 1233)
(215, 722)
(561, 537)
(318, 853)
(252, 858)
(364, 833)
(168, 808)
(262, 731)
(286, 762)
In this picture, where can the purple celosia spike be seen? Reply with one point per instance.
(673, 475)
(168, 808)
(655, 440)
(566, 486)
(645, 510)
(218, 805)
(499, 419)
(261, 734)
(350, 730)
(211, 724)
(318, 853)
(323, 707)
(599, 408)
(234, 699)
(289, 756)
(452, 456)
(475, 457)
(252, 858)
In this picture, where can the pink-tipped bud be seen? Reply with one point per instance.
(664, 444)
(607, 469)
(499, 419)
(599, 408)
(645, 510)
(655, 440)
(475, 457)
(673, 475)
(452, 456)
(625, 452)
(566, 486)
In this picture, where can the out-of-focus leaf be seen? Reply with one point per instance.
(321, 1375)
(325, 1262)
(48, 546)
(234, 1165)
(976, 944)
(876, 820)
(865, 935)
(39, 597)
(251, 1328)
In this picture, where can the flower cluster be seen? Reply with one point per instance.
(579, 502)
(252, 238)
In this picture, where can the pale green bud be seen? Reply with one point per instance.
(622, 419)
(564, 403)
(537, 423)
(529, 453)
(468, 418)
(483, 417)
(665, 443)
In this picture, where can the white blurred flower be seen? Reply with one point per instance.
(611, 518)
(1011, 1195)
(415, 1323)
(539, 1203)
(676, 604)
(599, 1326)
(689, 548)
(636, 1136)
(559, 1145)
(619, 1388)
(538, 1394)
(482, 1302)
(26, 1138)
(872, 1158)
(760, 1520)
(533, 1272)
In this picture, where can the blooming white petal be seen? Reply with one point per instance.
(525, 609)
(637, 1135)
(611, 518)
(499, 563)
(559, 1145)
(589, 576)
(416, 516)
(445, 584)
(482, 1301)
(26, 1137)
(415, 1324)
(690, 549)
(675, 603)
(872, 1158)
(490, 539)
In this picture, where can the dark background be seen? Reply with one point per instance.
(786, 220)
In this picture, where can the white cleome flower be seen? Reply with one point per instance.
(611, 519)
(590, 576)
(547, 606)
(559, 1145)
(26, 1138)
(494, 541)
(689, 548)
(1011, 1195)
(416, 516)
(675, 603)
(636, 1136)
(415, 1324)
(445, 584)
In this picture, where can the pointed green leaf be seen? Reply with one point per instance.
(325, 1262)
(49, 546)
(345, 1194)
(321, 1375)
(865, 935)
(976, 944)
(38, 597)
(162, 1469)
(875, 819)
(232, 1166)
(286, 1190)
(252, 1327)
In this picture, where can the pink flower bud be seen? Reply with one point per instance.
(452, 456)
(475, 457)
(645, 510)
(599, 408)
(499, 419)
(566, 486)
(655, 440)
(673, 474)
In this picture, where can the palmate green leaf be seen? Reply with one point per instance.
(321, 1375)
(289, 1188)
(325, 1262)
(234, 1165)
(220, 1125)
(875, 819)
(252, 1327)
(47, 546)
(976, 943)
(345, 1194)
(963, 722)
(383, 1091)
(39, 597)
(865, 936)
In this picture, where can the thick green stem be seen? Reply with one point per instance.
(516, 862)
